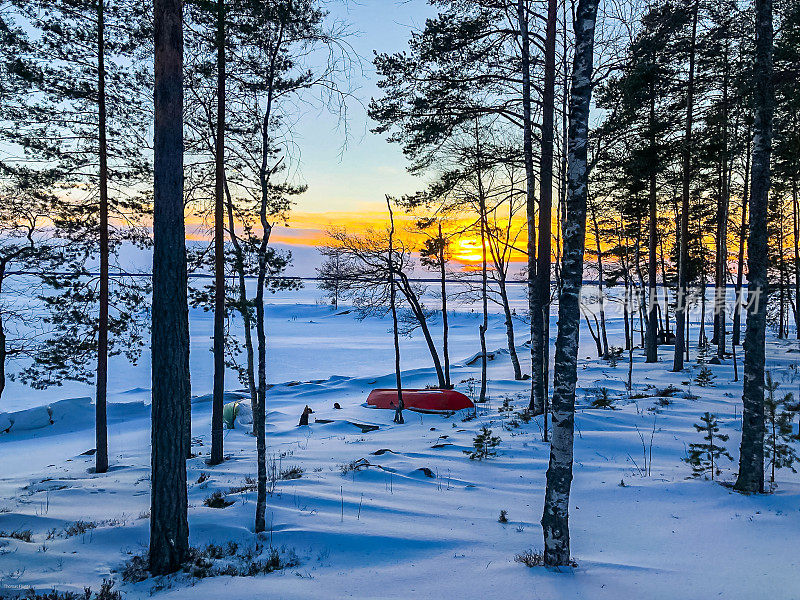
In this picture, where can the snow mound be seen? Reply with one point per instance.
(71, 410)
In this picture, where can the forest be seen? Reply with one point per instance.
(605, 214)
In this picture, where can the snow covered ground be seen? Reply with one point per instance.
(421, 521)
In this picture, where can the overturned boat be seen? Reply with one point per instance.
(427, 400)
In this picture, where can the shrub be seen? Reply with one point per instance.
(23, 535)
(106, 593)
(215, 561)
(503, 518)
(217, 500)
(294, 472)
(530, 558)
(79, 528)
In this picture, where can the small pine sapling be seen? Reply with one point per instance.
(503, 518)
(778, 449)
(506, 406)
(602, 398)
(613, 356)
(705, 377)
(484, 445)
(705, 457)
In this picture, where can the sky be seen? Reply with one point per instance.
(347, 182)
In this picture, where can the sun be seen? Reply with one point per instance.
(468, 250)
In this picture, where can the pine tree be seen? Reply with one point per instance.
(779, 449)
(751, 454)
(786, 162)
(705, 457)
(169, 525)
(693, 7)
(86, 121)
(705, 377)
(332, 274)
(435, 255)
(25, 206)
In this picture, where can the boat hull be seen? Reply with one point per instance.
(427, 400)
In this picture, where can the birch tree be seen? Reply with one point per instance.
(555, 519)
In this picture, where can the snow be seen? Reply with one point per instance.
(388, 530)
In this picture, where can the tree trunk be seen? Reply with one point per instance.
(555, 518)
(600, 283)
(644, 315)
(683, 253)
(541, 308)
(101, 425)
(398, 413)
(3, 346)
(445, 325)
(530, 205)
(721, 275)
(737, 308)
(218, 396)
(169, 526)
(3, 356)
(244, 310)
(419, 312)
(664, 287)
(751, 455)
(783, 329)
(264, 175)
(796, 231)
(512, 344)
(651, 338)
(259, 411)
(484, 291)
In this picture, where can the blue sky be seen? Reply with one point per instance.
(355, 180)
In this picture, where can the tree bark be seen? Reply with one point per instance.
(651, 338)
(398, 413)
(737, 309)
(796, 231)
(600, 289)
(683, 253)
(484, 289)
(218, 395)
(555, 518)
(264, 176)
(417, 309)
(541, 309)
(721, 274)
(530, 196)
(169, 526)
(751, 455)
(101, 424)
(512, 344)
(244, 309)
(445, 324)
(664, 287)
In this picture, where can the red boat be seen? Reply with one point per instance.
(428, 400)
